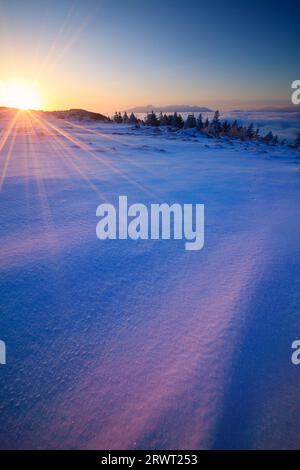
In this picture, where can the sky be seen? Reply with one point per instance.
(111, 55)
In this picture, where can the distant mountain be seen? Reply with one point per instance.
(183, 108)
(79, 114)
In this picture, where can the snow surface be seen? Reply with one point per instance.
(141, 344)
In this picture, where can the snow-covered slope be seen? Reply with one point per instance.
(141, 344)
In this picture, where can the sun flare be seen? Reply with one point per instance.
(23, 96)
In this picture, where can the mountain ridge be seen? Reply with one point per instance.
(184, 108)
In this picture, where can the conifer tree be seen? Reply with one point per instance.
(165, 120)
(200, 123)
(250, 132)
(268, 139)
(180, 122)
(225, 127)
(234, 130)
(215, 126)
(190, 122)
(133, 119)
(242, 133)
(151, 120)
(174, 120)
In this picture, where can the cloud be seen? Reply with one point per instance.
(283, 122)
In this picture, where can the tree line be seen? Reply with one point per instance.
(211, 128)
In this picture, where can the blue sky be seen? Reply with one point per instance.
(107, 55)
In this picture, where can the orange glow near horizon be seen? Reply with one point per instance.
(21, 95)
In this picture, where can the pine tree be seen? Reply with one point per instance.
(226, 127)
(133, 119)
(215, 126)
(242, 133)
(190, 122)
(180, 122)
(234, 130)
(151, 120)
(166, 121)
(177, 121)
(216, 117)
(199, 123)
(268, 139)
(250, 132)
(125, 118)
(174, 120)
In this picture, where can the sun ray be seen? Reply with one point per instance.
(62, 45)
(101, 159)
(10, 132)
(50, 232)
(131, 162)
(95, 132)
(55, 45)
(64, 151)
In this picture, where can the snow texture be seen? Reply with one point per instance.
(141, 344)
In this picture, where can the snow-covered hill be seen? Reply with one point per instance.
(141, 344)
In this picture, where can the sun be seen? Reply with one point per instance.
(20, 95)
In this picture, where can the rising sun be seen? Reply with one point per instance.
(23, 96)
